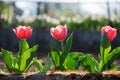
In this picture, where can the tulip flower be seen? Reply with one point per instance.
(111, 32)
(24, 58)
(23, 32)
(61, 57)
(59, 33)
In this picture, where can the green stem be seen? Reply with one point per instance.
(61, 46)
(21, 50)
(103, 55)
(21, 47)
(61, 58)
(101, 60)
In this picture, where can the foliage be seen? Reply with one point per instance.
(106, 57)
(22, 61)
(24, 58)
(47, 65)
(65, 60)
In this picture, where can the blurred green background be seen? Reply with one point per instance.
(76, 14)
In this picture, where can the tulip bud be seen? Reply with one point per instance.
(59, 33)
(111, 32)
(23, 32)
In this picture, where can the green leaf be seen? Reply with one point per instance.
(108, 62)
(1, 71)
(72, 60)
(108, 66)
(9, 60)
(39, 64)
(75, 55)
(69, 63)
(66, 48)
(27, 57)
(90, 63)
(15, 61)
(48, 63)
(101, 66)
(105, 48)
(34, 61)
(114, 55)
(23, 46)
(118, 67)
(55, 55)
(42, 68)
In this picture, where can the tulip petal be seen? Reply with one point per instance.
(59, 33)
(111, 32)
(23, 32)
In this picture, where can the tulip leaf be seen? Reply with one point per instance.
(118, 68)
(15, 61)
(0, 70)
(105, 48)
(108, 66)
(114, 55)
(55, 54)
(48, 63)
(75, 55)
(9, 60)
(66, 48)
(39, 64)
(89, 62)
(73, 58)
(27, 57)
(67, 63)
(34, 61)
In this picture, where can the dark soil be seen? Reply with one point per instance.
(68, 75)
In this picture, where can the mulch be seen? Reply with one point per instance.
(59, 75)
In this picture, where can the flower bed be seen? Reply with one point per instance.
(70, 75)
(65, 62)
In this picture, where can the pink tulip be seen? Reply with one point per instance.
(111, 32)
(59, 33)
(23, 32)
